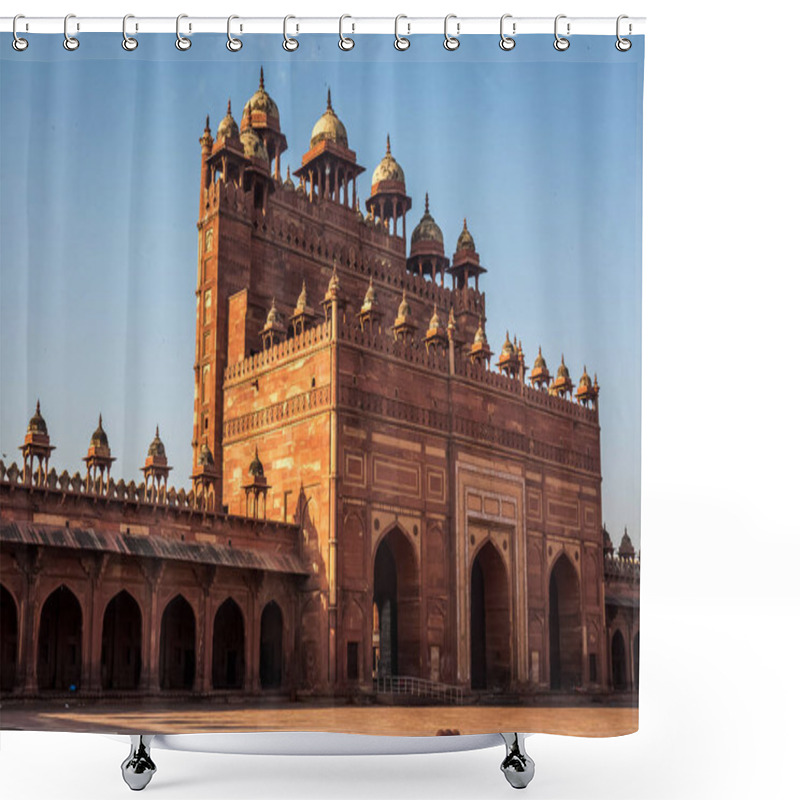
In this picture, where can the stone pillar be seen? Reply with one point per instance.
(30, 563)
(205, 632)
(151, 634)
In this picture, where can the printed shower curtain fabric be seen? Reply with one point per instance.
(309, 411)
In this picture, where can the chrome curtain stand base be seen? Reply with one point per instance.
(517, 766)
(138, 768)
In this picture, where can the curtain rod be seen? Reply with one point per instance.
(406, 25)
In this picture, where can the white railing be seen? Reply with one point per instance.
(419, 687)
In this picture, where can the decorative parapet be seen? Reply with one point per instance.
(624, 568)
(79, 487)
(277, 413)
(281, 351)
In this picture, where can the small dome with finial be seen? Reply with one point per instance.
(626, 546)
(329, 127)
(388, 169)
(480, 335)
(272, 316)
(251, 141)
(427, 230)
(256, 467)
(36, 424)
(370, 300)
(302, 300)
(540, 363)
(206, 457)
(262, 102)
(288, 183)
(404, 309)
(228, 129)
(563, 372)
(156, 449)
(465, 240)
(508, 348)
(99, 437)
(608, 545)
(333, 283)
(585, 381)
(435, 323)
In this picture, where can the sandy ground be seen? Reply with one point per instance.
(376, 720)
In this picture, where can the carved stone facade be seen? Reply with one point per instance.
(371, 500)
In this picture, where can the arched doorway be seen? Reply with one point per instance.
(177, 661)
(9, 640)
(490, 621)
(565, 626)
(618, 658)
(60, 631)
(636, 661)
(396, 595)
(227, 669)
(271, 663)
(121, 654)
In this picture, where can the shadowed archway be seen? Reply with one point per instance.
(121, 653)
(177, 661)
(396, 596)
(60, 635)
(227, 671)
(565, 626)
(618, 658)
(9, 640)
(490, 621)
(271, 661)
(636, 661)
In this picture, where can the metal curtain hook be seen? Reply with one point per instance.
(233, 44)
(181, 42)
(129, 43)
(623, 45)
(290, 44)
(401, 42)
(507, 42)
(451, 42)
(19, 44)
(560, 43)
(70, 42)
(345, 43)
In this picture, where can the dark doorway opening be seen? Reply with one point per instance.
(227, 670)
(60, 640)
(271, 663)
(490, 622)
(9, 640)
(618, 670)
(396, 596)
(121, 658)
(177, 662)
(565, 626)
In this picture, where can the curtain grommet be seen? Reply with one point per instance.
(561, 43)
(451, 43)
(290, 44)
(181, 42)
(71, 43)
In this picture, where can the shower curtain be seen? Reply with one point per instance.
(324, 371)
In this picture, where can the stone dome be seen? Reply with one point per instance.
(256, 467)
(36, 424)
(585, 379)
(329, 127)
(563, 372)
(465, 240)
(251, 141)
(626, 546)
(262, 102)
(370, 301)
(288, 183)
(156, 449)
(388, 169)
(540, 363)
(508, 348)
(206, 458)
(228, 129)
(404, 309)
(99, 438)
(427, 230)
(480, 336)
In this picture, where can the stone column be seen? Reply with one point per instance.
(30, 564)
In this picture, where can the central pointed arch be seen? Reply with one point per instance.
(60, 641)
(490, 621)
(121, 650)
(565, 626)
(177, 662)
(396, 597)
(228, 658)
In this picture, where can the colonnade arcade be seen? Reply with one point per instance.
(68, 650)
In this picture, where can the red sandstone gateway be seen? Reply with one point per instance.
(379, 515)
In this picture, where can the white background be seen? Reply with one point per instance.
(720, 598)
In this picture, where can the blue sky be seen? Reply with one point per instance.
(99, 181)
